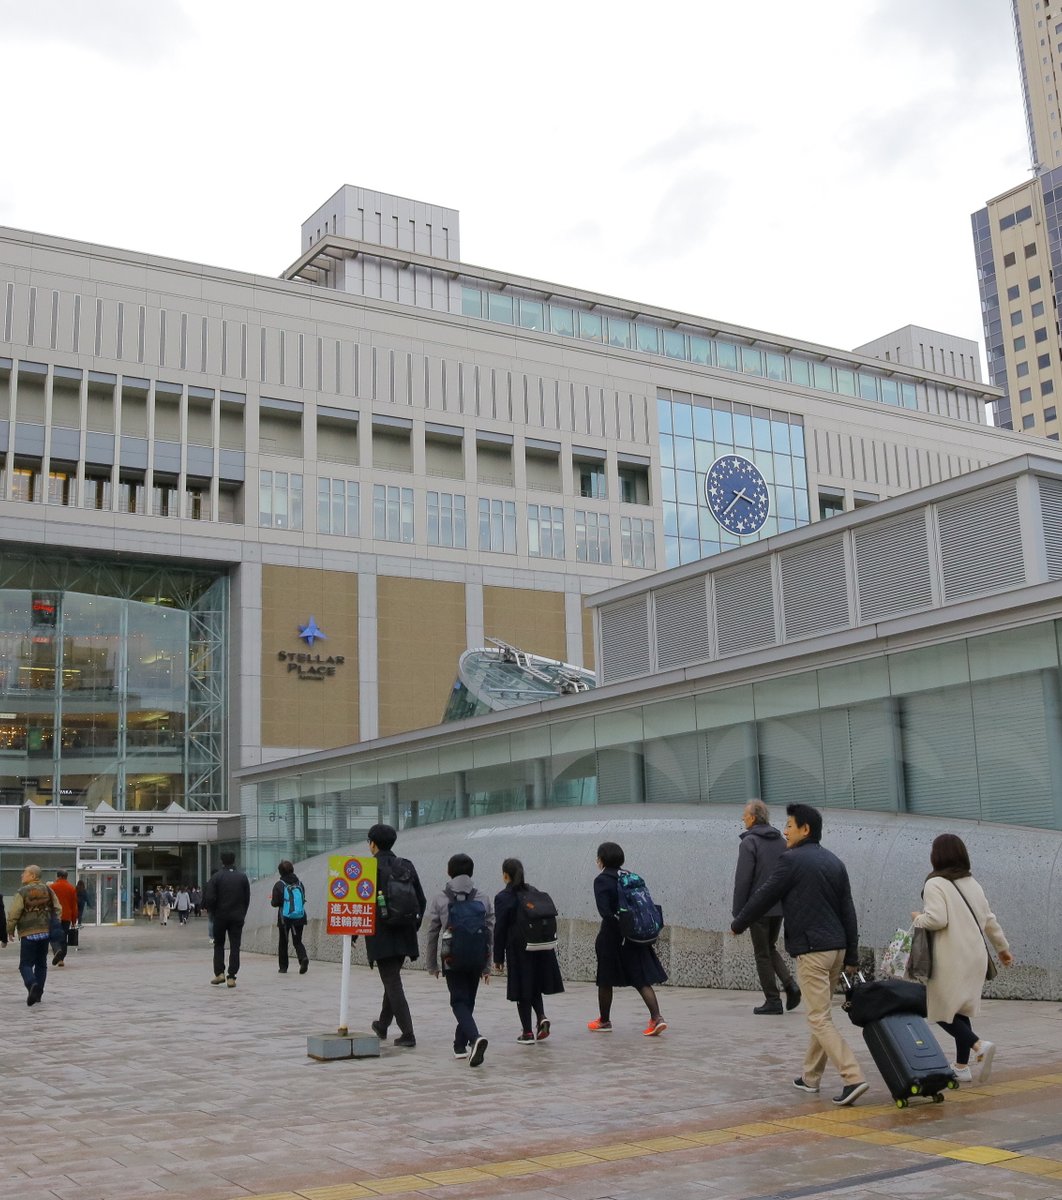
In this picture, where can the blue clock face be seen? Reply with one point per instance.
(737, 495)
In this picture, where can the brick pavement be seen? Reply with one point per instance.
(135, 1078)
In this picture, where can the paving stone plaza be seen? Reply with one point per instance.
(135, 1078)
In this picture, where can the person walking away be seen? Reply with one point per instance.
(532, 974)
(67, 896)
(400, 907)
(460, 927)
(32, 911)
(289, 899)
(956, 910)
(149, 904)
(165, 904)
(620, 962)
(183, 905)
(761, 847)
(196, 897)
(821, 933)
(227, 896)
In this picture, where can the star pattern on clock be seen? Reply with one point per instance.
(737, 495)
(310, 633)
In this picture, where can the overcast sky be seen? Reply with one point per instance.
(806, 169)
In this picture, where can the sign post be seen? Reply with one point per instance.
(351, 910)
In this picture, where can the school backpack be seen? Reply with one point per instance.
(536, 919)
(640, 920)
(294, 906)
(397, 904)
(465, 937)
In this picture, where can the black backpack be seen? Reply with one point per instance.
(536, 919)
(397, 905)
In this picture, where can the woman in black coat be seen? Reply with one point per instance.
(532, 973)
(621, 963)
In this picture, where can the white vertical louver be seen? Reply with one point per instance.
(681, 624)
(892, 566)
(980, 543)
(624, 639)
(744, 608)
(1051, 507)
(814, 588)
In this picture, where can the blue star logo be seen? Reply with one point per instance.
(310, 633)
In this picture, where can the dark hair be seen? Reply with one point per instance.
(60, 875)
(804, 814)
(383, 836)
(228, 859)
(610, 855)
(514, 868)
(949, 853)
(285, 867)
(460, 864)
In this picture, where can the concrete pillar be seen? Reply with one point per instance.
(460, 794)
(393, 811)
(539, 783)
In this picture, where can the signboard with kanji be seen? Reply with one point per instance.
(351, 894)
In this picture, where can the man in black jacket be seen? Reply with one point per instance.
(395, 938)
(821, 934)
(761, 848)
(227, 896)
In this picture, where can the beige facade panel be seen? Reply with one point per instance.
(588, 641)
(420, 637)
(534, 621)
(310, 703)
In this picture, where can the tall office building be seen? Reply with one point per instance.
(1018, 243)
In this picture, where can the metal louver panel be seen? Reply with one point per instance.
(814, 589)
(744, 608)
(892, 565)
(624, 640)
(681, 625)
(980, 543)
(1011, 730)
(673, 769)
(1051, 506)
(940, 756)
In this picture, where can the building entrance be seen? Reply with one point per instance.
(106, 872)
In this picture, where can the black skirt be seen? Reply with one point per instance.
(625, 964)
(531, 973)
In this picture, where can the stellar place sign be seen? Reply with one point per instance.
(304, 665)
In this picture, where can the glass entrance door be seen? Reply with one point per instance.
(105, 871)
(107, 899)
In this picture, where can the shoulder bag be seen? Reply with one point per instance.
(992, 970)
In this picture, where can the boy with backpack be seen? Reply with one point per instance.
(289, 899)
(460, 940)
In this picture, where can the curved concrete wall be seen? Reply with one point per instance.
(687, 854)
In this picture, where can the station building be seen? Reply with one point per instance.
(246, 518)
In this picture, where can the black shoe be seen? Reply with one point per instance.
(792, 997)
(479, 1052)
(770, 1008)
(282, 970)
(379, 1030)
(407, 1041)
(35, 993)
(801, 1086)
(851, 1092)
(304, 966)
(57, 958)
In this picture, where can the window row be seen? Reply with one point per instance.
(99, 489)
(393, 520)
(624, 334)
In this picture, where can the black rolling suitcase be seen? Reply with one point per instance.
(907, 1055)
(73, 936)
(891, 1013)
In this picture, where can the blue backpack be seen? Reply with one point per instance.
(465, 937)
(294, 906)
(640, 920)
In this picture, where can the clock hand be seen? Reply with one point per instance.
(737, 496)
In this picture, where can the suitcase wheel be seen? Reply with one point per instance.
(901, 1103)
(953, 1084)
(938, 1098)
(915, 1089)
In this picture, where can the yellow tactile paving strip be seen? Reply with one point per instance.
(838, 1123)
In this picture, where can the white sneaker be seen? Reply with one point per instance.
(962, 1074)
(985, 1055)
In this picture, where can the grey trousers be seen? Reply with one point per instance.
(769, 961)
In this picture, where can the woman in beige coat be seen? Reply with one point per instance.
(956, 910)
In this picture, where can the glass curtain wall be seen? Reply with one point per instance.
(965, 729)
(111, 685)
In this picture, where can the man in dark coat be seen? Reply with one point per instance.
(395, 940)
(761, 848)
(227, 896)
(821, 934)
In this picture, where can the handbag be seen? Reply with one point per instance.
(897, 953)
(920, 962)
(991, 971)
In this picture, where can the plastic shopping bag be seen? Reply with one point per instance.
(897, 953)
